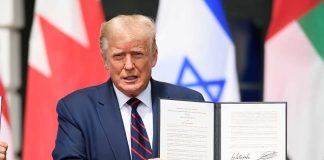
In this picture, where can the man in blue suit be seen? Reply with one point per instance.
(97, 122)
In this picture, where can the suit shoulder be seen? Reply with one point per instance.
(84, 92)
(179, 88)
(179, 92)
(80, 97)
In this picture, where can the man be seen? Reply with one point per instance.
(106, 121)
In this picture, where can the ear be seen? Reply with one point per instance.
(107, 66)
(154, 58)
(104, 59)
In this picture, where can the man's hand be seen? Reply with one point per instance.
(3, 150)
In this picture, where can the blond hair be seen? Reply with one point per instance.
(141, 23)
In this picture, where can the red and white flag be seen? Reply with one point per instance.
(294, 72)
(64, 56)
(6, 133)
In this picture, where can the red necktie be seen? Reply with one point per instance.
(141, 148)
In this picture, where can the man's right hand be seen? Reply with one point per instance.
(3, 150)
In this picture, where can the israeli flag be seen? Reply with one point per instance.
(195, 48)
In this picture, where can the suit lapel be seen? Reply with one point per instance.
(157, 93)
(112, 122)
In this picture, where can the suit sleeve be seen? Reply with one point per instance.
(201, 98)
(69, 141)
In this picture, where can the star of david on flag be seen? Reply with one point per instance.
(195, 48)
(213, 88)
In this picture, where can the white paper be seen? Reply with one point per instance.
(253, 131)
(186, 130)
(248, 131)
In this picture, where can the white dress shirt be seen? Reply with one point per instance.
(144, 109)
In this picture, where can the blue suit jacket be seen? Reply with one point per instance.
(91, 126)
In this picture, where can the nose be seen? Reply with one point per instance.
(129, 62)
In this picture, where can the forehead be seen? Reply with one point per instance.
(122, 37)
(128, 46)
(125, 33)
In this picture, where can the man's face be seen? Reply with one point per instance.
(130, 62)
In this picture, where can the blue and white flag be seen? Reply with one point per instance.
(195, 48)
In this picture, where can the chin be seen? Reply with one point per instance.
(131, 91)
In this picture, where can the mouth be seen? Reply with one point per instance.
(130, 79)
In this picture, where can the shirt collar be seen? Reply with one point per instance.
(144, 96)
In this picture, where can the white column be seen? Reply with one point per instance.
(11, 20)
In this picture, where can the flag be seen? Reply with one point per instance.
(294, 72)
(6, 133)
(195, 48)
(64, 56)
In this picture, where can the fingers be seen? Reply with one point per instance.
(3, 147)
(3, 150)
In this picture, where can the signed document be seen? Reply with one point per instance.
(255, 131)
(222, 131)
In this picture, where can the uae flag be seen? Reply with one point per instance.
(294, 72)
(64, 56)
(5, 134)
(196, 49)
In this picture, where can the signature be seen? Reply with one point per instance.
(268, 155)
(240, 156)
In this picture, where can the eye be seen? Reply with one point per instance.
(118, 56)
(138, 54)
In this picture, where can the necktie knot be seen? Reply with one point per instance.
(133, 102)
